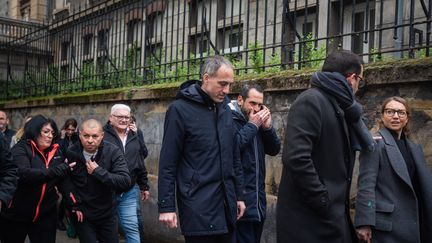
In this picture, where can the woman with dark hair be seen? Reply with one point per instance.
(41, 167)
(395, 184)
(70, 134)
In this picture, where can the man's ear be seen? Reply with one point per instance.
(205, 78)
(240, 100)
(351, 79)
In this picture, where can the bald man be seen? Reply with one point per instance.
(100, 171)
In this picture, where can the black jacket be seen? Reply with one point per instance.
(135, 152)
(313, 200)
(94, 194)
(8, 173)
(197, 159)
(9, 133)
(254, 144)
(67, 142)
(39, 172)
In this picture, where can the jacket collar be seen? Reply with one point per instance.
(395, 157)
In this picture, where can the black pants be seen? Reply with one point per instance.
(249, 232)
(101, 230)
(41, 231)
(229, 237)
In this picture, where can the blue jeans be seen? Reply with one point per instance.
(127, 214)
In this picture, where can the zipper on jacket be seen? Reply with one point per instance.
(47, 162)
(257, 177)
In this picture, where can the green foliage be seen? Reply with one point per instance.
(311, 56)
(256, 57)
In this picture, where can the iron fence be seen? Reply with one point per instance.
(117, 44)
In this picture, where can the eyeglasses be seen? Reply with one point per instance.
(126, 118)
(362, 82)
(391, 112)
(47, 133)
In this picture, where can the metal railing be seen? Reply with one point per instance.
(129, 43)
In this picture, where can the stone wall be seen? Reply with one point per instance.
(410, 79)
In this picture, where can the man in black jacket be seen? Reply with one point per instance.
(4, 122)
(255, 137)
(8, 173)
(100, 171)
(197, 159)
(323, 130)
(119, 132)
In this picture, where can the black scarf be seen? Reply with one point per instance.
(336, 85)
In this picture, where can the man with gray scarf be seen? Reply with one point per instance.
(324, 129)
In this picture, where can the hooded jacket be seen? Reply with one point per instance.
(254, 143)
(93, 194)
(39, 172)
(134, 153)
(197, 163)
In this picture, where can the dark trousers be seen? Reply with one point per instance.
(41, 231)
(229, 237)
(249, 232)
(101, 230)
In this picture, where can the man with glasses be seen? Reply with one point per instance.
(323, 130)
(117, 131)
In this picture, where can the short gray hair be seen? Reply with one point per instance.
(212, 64)
(117, 107)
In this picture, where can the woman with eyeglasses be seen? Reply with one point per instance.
(395, 185)
(41, 167)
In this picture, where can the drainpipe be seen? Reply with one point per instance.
(398, 34)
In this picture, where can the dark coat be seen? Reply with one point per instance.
(67, 142)
(386, 199)
(94, 194)
(134, 152)
(313, 200)
(8, 173)
(9, 133)
(39, 172)
(254, 144)
(197, 159)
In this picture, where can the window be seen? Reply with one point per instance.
(87, 44)
(230, 39)
(103, 39)
(64, 50)
(154, 24)
(198, 44)
(307, 29)
(357, 40)
(133, 30)
(236, 39)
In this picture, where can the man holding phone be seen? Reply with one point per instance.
(255, 137)
(125, 136)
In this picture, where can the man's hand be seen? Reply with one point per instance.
(91, 166)
(168, 219)
(132, 126)
(259, 117)
(145, 195)
(240, 209)
(364, 233)
(80, 216)
(267, 124)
